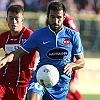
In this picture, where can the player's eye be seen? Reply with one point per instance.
(52, 16)
(11, 18)
(59, 17)
(16, 19)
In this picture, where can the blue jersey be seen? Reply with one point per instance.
(55, 49)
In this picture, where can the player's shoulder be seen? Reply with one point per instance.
(5, 33)
(69, 30)
(41, 30)
(26, 30)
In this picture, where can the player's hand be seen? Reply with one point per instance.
(68, 68)
(3, 62)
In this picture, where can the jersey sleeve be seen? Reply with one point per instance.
(30, 44)
(78, 48)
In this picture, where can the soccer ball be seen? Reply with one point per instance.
(47, 75)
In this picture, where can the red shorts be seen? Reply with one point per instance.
(12, 93)
(74, 75)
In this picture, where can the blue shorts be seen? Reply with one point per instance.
(54, 93)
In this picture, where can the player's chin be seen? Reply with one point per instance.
(14, 29)
(55, 28)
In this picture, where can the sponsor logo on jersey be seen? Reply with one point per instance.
(23, 40)
(45, 42)
(16, 47)
(57, 53)
(11, 47)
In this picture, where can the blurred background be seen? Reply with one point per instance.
(87, 16)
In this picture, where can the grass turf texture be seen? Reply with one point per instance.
(90, 97)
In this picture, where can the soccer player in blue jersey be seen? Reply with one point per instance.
(57, 45)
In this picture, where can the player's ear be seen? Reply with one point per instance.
(22, 20)
(6, 20)
(46, 21)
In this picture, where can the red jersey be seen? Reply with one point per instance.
(17, 73)
(70, 23)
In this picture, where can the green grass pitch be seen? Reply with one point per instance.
(90, 97)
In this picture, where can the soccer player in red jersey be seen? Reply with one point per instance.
(73, 94)
(15, 76)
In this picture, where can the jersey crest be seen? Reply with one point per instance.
(66, 41)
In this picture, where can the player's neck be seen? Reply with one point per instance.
(15, 33)
(57, 31)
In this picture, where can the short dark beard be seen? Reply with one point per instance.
(56, 30)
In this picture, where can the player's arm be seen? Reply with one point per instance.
(78, 64)
(13, 56)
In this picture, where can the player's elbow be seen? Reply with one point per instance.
(82, 64)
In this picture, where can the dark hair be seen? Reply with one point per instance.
(15, 9)
(56, 6)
